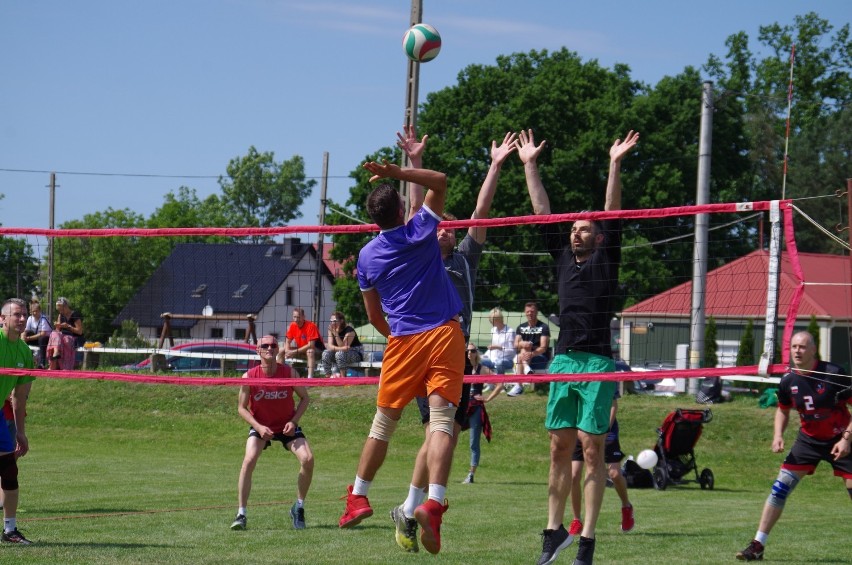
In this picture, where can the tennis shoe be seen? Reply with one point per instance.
(357, 509)
(517, 390)
(754, 552)
(298, 516)
(552, 543)
(15, 537)
(576, 527)
(627, 521)
(406, 530)
(239, 523)
(430, 515)
(468, 480)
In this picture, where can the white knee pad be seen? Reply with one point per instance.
(383, 427)
(441, 419)
(781, 488)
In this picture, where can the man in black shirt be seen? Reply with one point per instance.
(587, 264)
(820, 393)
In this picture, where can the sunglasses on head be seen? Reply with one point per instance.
(269, 346)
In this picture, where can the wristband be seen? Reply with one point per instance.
(843, 434)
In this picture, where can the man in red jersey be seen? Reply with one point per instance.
(821, 393)
(272, 414)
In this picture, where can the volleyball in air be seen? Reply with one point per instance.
(421, 43)
(646, 459)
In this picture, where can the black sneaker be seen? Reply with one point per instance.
(552, 542)
(14, 537)
(239, 523)
(585, 551)
(298, 516)
(754, 552)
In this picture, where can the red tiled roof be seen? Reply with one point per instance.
(738, 289)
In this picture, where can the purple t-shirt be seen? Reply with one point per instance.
(404, 265)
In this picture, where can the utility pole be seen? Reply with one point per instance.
(52, 207)
(699, 259)
(412, 85)
(320, 241)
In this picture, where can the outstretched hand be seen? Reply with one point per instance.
(499, 153)
(409, 144)
(381, 171)
(621, 148)
(528, 151)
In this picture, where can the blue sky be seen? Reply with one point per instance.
(179, 87)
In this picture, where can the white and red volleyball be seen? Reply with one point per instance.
(421, 43)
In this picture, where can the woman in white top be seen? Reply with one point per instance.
(501, 352)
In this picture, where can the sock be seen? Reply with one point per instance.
(9, 525)
(241, 510)
(300, 503)
(415, 499)
(361, 487)
(586, 549)
(761, 537)
(437, 492)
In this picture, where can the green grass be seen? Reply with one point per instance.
(129, 473)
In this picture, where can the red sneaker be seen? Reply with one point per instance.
(627, 521)
(576, 527)
(429, 515)
(357, 509)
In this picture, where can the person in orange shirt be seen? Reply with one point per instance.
(302, 341)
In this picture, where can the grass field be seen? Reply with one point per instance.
(128, 473)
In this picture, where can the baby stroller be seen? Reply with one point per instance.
(675, 456)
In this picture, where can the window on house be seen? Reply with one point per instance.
(240, 291)
(217, 333)
(239, 334)
(289, 297)
(199, 290)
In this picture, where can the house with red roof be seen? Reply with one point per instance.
(655, 332)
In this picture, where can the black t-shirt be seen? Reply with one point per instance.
(820, 398)
(72, 321)
(586, 290)
(342, 334)
(534, 333)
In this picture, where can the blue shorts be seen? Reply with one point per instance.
(8, 437)
(583, 405)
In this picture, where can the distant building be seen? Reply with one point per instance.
(655, 332)
(234, 280)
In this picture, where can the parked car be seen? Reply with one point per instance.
(653, 387)
(206, 364)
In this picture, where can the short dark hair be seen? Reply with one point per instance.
(383, 206)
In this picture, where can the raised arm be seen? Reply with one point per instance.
(435, 182)
(489, 185)
(528, 152)
(617, 152)
(407, 141)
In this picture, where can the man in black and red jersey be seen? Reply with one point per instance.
(821, 393)
(273, 415)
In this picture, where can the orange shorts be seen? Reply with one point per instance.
(420, 364)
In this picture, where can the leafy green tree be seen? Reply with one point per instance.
(819, 117)
(745, 352)
(813, 329)
(259, 191)
(19, 269)
(711, 346)
(99, 275)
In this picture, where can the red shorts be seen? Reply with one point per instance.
(420, 364)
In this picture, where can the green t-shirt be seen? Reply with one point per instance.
(13, 355)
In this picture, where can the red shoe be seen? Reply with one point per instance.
(627, 521)
(357, 509)
(576, 527)
(429, 516)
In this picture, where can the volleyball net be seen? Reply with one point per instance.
(212, 285)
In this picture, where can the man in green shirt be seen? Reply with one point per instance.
(14, 354)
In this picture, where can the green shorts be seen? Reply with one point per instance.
(584, 405)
